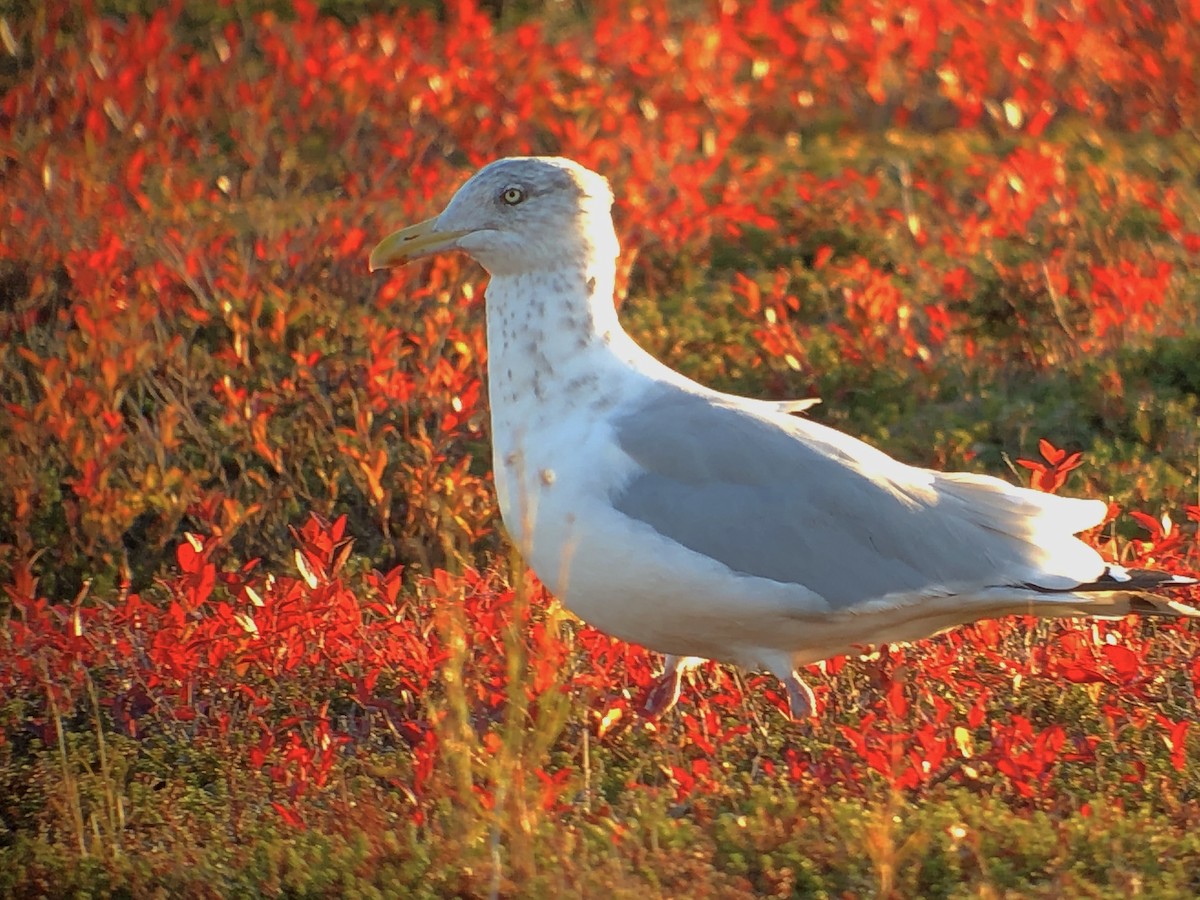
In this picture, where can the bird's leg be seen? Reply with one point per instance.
(664, 693)
(802, 703)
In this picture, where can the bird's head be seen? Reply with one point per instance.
(516, 215)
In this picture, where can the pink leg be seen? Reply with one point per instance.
(802, 703)
(664, 693)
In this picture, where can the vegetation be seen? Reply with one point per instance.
(261, 632)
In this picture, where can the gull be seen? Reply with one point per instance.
(708, 526)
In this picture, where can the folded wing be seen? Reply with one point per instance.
(779, 497)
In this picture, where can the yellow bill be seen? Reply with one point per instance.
(411, 243)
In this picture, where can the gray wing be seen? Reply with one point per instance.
(800, 503)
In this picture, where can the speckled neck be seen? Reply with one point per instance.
(552, 334)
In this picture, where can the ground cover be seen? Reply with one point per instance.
(261, 632)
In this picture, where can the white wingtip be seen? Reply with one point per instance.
(1119, 573)
(798, 406)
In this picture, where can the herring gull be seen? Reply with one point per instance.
(704, 525)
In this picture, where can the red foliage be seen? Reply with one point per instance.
(144, 195)
(1051, 472)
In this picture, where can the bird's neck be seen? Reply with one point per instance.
(554, 338)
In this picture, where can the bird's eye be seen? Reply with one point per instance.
(512, 196)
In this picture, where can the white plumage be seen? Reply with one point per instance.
(709, 526)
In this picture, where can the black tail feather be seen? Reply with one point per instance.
(1117, 578)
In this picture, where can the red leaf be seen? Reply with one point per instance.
(1177, 743)
(1123, 660)
(1151, 524)
(291, 817)
(1052, 454)
(189, 558)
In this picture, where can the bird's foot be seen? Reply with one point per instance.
(664, 693)
(802, 703)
